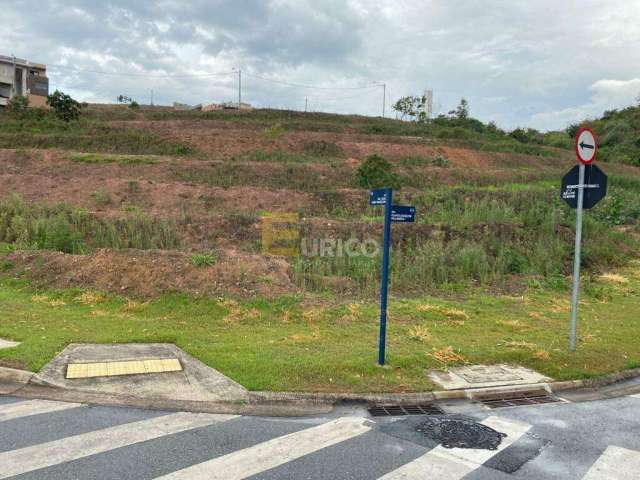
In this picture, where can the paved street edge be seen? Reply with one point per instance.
(18, 383)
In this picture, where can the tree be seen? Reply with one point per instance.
(64, 107)
(572, 129)
(412, 107)
(520, 135)
(462, 110)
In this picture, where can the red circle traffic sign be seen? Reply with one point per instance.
(586, 145)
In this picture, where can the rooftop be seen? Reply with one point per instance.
(21, 61)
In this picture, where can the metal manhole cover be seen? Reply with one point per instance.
(460, 433)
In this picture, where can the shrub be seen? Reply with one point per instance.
(377, 172)
(18, 106)
(64, 107)
(204, 259)
(182, 149)
(612, 210)
(134, 105)
(520, 135)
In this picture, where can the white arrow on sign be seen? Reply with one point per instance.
(586, 146)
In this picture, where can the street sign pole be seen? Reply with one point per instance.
(576, 262)
(586, 148)
(384, 281)
(392, 213)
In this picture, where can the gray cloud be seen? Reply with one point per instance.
(543, 63)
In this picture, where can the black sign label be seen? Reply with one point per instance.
(595, 186)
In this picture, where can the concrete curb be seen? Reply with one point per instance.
(19, 383)
(12, 380)
(422, 397)
(12, 375)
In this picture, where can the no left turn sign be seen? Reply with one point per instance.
(586, 146)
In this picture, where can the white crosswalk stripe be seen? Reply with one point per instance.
(616, 463)
(270, 454)
(43, 455)
(32, 407)
(455, 463)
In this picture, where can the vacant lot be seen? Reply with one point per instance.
(149, 225)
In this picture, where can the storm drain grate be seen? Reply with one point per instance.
(519, 400)
(400, 410)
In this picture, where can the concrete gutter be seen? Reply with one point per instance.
(20, 383)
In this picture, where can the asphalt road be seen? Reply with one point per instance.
(52, 440)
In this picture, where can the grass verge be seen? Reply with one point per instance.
(288, 344)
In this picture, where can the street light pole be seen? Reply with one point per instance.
(384, 98)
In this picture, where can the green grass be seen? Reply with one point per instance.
(75, 230)
(85, 135)
(467, 236)
(285, 344)
(418, 161)
(287, 175)
(96, 158)
(204, 259)
(323, 148)
(277, 156)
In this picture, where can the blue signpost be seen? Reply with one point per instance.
(392, 213)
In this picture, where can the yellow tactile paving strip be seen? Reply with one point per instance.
(130, 367)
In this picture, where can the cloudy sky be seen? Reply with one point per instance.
(538, 63)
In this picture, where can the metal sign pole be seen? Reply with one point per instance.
(576, 262)
(384, 282)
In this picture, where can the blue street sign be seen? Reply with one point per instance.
(392, 213)
(403, 213)
(378, 196)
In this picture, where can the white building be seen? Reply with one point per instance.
(22, 77)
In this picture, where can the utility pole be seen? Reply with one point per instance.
(151, 103)
(239, 88)
(384, 98)
(306, 102)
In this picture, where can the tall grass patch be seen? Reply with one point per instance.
(72, 230)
